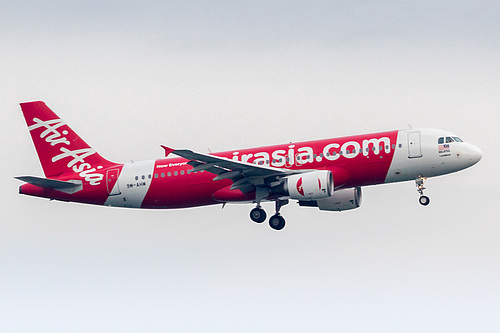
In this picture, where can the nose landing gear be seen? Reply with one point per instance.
(423, 200)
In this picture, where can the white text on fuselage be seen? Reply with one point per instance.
(171, 165)
(77, 163)
(302, 155)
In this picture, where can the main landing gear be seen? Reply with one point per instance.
(258, 215)
(277, 222)
(423, 200)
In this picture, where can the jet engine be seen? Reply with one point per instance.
(344, 199)
(312, 185)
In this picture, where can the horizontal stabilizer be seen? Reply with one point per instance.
(70, 186)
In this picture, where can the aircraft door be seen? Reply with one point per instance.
(112, 181)
(414, 146)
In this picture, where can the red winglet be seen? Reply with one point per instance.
(168, 150)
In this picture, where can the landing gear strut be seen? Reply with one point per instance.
(277, 222)
(423, 200)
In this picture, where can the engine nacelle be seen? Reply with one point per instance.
(345, 199)
(310, 186)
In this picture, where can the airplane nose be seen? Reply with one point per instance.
(474, 154)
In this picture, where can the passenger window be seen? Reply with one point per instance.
(441, 140)
(162, 174)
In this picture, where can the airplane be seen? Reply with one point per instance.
(327, 174)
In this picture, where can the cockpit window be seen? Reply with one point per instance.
(449, 139)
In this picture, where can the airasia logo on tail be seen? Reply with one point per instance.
(77, 157)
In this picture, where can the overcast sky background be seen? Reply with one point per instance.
(131, 75)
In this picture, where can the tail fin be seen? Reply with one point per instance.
(59, 148)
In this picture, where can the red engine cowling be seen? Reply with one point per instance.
(345, 199)
(312, 185)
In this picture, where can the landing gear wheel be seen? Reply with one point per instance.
(258, 215)
(424, 200)
(277, 222)
(419, 182)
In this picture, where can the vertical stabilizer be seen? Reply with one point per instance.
(60, 150)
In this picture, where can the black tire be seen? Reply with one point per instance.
(277, 222)
(258, 215)
(424, 200)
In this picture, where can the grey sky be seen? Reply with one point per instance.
(131, 75)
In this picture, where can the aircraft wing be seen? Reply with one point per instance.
(245, 176)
